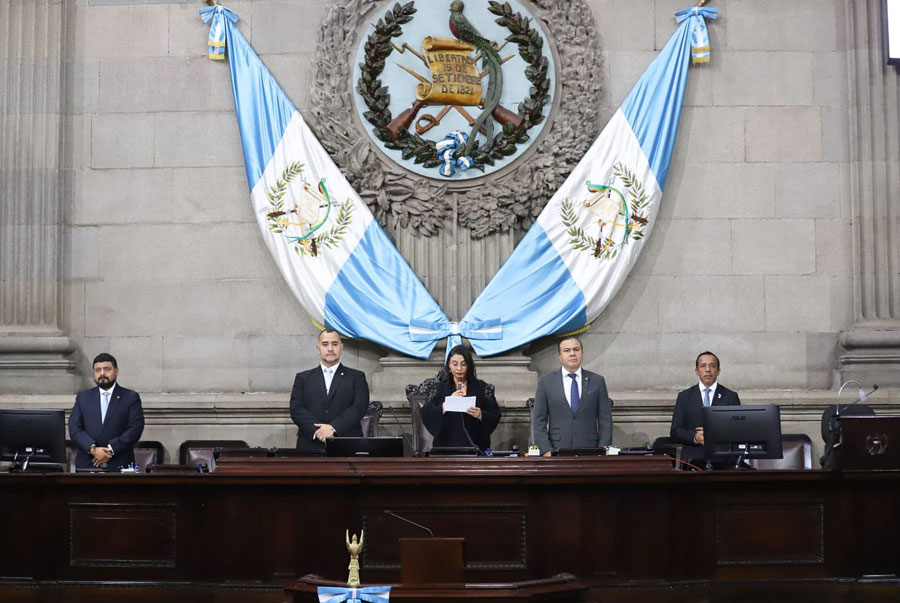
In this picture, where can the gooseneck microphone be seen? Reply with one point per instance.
(409, 521)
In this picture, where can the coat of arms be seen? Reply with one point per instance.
(458, 80)
(299, 213)
(618, 212)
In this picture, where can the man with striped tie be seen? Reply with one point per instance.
(687, 420)
(107, 420)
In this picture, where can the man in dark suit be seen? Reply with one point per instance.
(687, 420)
(107, 420)
(571, 406)
(330, 399)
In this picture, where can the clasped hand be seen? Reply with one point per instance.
(323, 432)
(101, 456)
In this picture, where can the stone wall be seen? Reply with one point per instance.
(127, 225)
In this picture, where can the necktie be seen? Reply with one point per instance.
(104, 406)
(706, 397)
(573, 395)
(329, 375)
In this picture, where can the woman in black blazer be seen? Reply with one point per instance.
(456, 429)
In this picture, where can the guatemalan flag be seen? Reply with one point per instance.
(335, 257)
(575, 257)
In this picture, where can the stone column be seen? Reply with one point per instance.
(33, 350)
(871, 347)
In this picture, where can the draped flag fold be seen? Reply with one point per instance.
(575, 257)
(336, 259)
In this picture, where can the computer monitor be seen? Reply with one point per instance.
(32, 436)
(742, 432)
(363, 447)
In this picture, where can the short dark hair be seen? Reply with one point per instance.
(466, 353)
(706, 353)
(559, 344)
(104, 357)
(326, 330)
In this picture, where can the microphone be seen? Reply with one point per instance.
(861, 396)
(409, 521)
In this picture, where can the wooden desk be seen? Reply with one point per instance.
(620, 525)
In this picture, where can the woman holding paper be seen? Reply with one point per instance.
(463, 411)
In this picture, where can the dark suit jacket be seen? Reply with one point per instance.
(447, 429)
(122, 428)
(554, 424)
(342, 407)
(688, 416)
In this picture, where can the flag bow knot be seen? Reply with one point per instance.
(453, 331)
(370, 594)
(699, 35)
(217, 14)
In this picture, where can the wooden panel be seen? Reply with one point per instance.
(495, 537)
(770, 535)
(121, 535)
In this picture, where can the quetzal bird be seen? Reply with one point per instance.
(490, 59)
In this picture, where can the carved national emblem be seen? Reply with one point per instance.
(355, 47)
(619, 214)
(455, 88)
(299, 211)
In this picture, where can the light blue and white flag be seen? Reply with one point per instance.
(336, 259)
(339, 594)
(575, 257)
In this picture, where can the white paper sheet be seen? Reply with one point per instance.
(458, 403)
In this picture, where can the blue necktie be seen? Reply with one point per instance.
(104, 406)
(574, 392)
(706, 397)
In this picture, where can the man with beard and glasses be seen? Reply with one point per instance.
(330, 399)
(107, 420)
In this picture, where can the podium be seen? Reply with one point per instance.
(868, 443)
(431, 560)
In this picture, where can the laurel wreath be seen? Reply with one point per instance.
(421, 150)
(606, 248)
(308, 247)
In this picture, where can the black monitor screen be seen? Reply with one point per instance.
(38, 434)
(751, 431)
(364, 447)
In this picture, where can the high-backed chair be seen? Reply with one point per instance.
(370, 420)
(418, 396)
(797, 454)
(195, 452)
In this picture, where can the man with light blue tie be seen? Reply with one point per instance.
(572, 408)
(107, 420)
(687, 420)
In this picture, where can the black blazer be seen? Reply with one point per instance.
(447, 429)
(122, 428)
(688, 416)
(342, 407)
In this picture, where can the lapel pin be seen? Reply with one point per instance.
(719, 396)
(342, 373)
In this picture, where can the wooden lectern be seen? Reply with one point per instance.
(431, 560)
